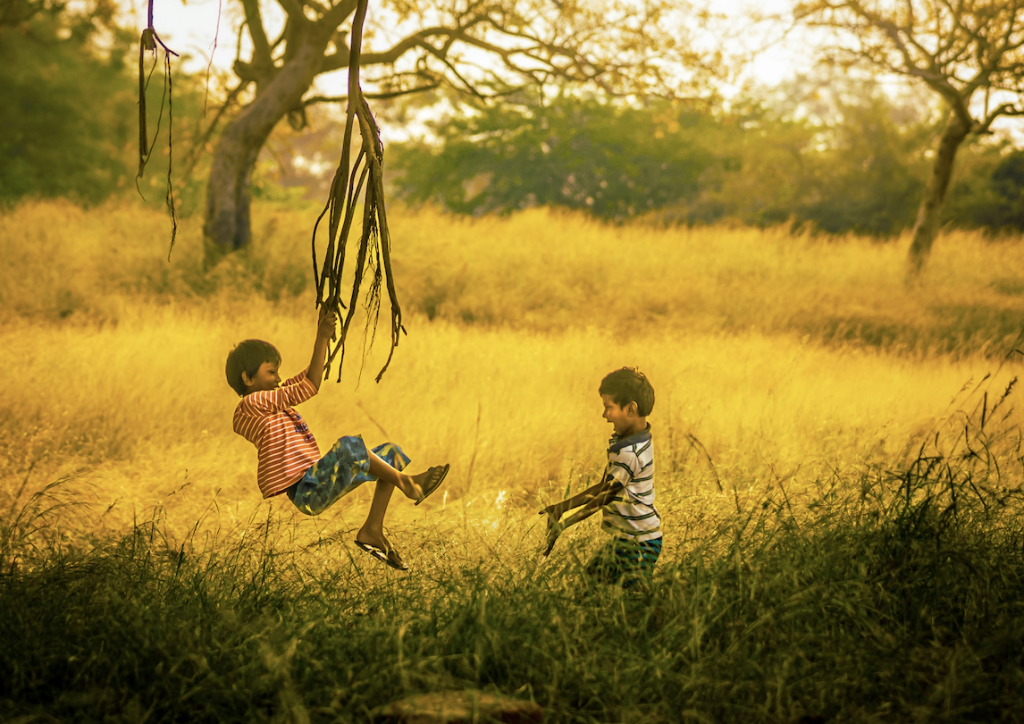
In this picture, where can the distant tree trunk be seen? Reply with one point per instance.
(930, 212)
(227, 225)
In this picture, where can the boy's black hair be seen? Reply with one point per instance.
(248, 357)
(629, 385)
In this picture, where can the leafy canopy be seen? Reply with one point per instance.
(67, 108)
(612, 160)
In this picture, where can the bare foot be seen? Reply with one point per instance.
(373, 538)
(377, 544)
(432, 480)
(412, 485)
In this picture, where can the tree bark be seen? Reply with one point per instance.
(926, 228)
(227, 223)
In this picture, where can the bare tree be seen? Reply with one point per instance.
(487, 48)
(969, 52)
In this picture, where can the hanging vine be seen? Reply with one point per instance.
(364, 179)
(148, 43)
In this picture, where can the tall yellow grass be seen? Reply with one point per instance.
(114, 356)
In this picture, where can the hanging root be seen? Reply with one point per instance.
(351, 181)
(148, 43)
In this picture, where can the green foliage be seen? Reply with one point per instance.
(615, 161)
(70, 113)
(868, 176)
(68, 109)
(883, 595)
(991, 193)
(855, 164)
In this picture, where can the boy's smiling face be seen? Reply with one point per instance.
(265, 379)
(624, 419)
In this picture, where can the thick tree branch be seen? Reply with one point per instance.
(261, 59)
(1006, 109)
(319, 7)
(313, 100)
(532, 49)
(340, 59)
(292, 8)
(337, 14)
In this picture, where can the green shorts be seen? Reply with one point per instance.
(625, 562)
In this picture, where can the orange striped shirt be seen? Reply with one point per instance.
(283, 441)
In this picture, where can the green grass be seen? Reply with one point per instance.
(881, 595)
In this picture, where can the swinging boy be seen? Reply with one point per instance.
(289, 457)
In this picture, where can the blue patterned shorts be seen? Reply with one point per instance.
(625, 562)
(344, 468)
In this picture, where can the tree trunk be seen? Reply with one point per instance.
(227, 225)
(930, 212)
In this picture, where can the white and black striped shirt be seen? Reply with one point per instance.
(631, 514)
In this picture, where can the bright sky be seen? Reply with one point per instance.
(190, 26)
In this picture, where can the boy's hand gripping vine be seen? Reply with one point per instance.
(327, 324)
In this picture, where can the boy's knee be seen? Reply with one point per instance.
(392, 454)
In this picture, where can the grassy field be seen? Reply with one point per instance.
(838, 467)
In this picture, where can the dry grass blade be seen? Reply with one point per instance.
(698, 445)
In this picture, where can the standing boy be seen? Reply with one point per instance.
(289, 458)
(625, 495)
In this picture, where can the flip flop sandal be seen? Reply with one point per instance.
(390, 557)
(437, 476)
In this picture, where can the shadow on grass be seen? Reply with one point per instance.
(954, 330)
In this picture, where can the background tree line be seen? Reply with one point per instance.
(850, 159)
(836, 155)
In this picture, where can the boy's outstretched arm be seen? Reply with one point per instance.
(325, 332)
(557, 510)
(599, 495)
